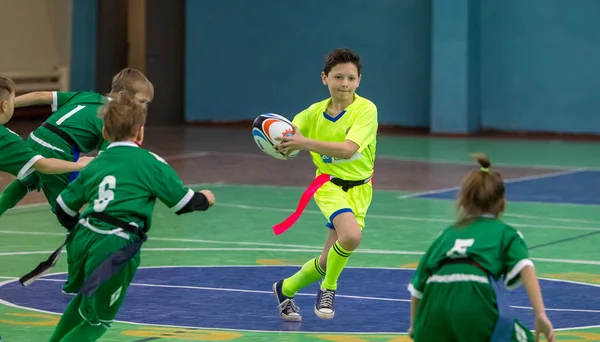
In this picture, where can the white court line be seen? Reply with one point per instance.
(200, 154)
(473, 164)
(12, 305)
(283, 250)
(26, 253)
(410, 218)
(506, 181)
(45, 204)
(432, 218)
(245, 291)
(315, 249)
(224, 242)
(190, 155)
(314, 212)
(224, 289)
(376, 216)
(429, 218)
(241, 243)
(557, 219)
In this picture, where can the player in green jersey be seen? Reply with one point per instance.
(457, 288)
(341, 134)
(120, 188)
(16, 157)
(73, 128)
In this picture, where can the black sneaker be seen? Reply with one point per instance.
(324, 305)
(287, 306)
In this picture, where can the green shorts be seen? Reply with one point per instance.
(460, 311)
(86, 250)
(48, 145)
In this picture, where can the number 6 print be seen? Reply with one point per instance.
(105, 193)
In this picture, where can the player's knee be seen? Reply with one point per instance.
(350, 237)
(350, 240)
(348, 231)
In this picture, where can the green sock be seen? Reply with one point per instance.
(12, 194)
(85, 332)
(310, 272)
(69, 320)
(73, 328)
(336, 261)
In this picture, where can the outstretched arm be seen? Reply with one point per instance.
(54, 166)
(532, 287)
(169, 189)
(414, 304)
(521, 270)
(200, 201)
(34, 99)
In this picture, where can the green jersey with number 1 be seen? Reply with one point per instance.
(494, 245)
(76, 114)
(124, 181)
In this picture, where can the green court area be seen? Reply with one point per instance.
(207, 276)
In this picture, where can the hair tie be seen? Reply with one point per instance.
(485, 169)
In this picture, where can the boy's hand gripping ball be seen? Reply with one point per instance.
(266, 128)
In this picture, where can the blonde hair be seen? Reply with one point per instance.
(123, 115)
(134, 81)
(7, 87)
(482, 192)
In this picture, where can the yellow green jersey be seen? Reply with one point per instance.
(358, 123)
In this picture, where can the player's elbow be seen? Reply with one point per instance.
(43, 166)
(66, 220)
(347, 154)
(349, 149)
(43, 97)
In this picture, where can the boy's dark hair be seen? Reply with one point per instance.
(123, 115)
(7, 87)
(482, 192)
(339, 56)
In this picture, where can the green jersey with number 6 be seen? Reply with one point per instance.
(76, 114)
(494, 245)
(124, 182)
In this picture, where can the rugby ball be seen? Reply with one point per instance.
(266, 127)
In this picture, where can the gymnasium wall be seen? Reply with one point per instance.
(539, 60)
(450, 66)
(36, 35)
(541, 65)
(83, 51)
(249, 57)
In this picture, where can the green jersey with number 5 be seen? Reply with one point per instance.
(494, 245)
(76, 114)
(124, 181)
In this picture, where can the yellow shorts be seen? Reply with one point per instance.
(332, 201)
